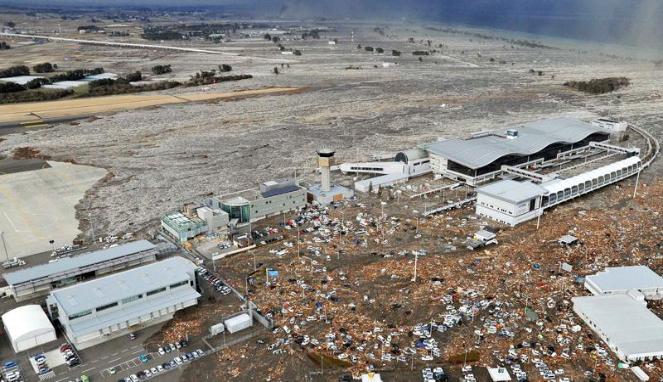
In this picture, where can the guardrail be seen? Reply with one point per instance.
(653, 146)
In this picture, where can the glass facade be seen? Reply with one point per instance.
(242, 211)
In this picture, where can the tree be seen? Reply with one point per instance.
(161, 69)
(10, 24)
(379, 50)
(134, 77)
(268, 37)
(395, 53)
(358, 46)
(297, 52)
(36, 83)
(225, 68)
(276, 39)
(45, 67)
(4, 45)
(368, 48)
(276, 70)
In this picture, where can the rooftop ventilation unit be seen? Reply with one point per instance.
(512, 133)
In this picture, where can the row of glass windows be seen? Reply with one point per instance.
(596, 182)
(80, 314)
(127, 300)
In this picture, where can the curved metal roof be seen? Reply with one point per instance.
(532, 138)
(25, 322)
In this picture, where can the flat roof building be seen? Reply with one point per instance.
(40, 279)
(510, 202)
(621, 280)
(480, 158)
(629, 329)
(99, 310)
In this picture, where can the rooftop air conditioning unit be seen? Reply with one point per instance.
(512, 133)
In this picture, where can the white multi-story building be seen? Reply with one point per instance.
(105, 308)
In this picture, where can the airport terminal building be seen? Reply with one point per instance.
(479, 159)
(39, 280)
(105, 308)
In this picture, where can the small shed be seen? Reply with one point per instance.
(27, 327)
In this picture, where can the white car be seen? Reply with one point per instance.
(161, 351)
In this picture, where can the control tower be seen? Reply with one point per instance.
(325, 161)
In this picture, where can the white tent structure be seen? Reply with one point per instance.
(28, 326)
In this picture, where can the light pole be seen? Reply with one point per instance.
(52, 242)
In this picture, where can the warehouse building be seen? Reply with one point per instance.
(618, 311)
(625, 324)
(99, 310)
(480, 158)
(513, 202)
(621, 280)
(28, 327)
(41, 279)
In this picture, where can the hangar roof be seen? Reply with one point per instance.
(26, 321)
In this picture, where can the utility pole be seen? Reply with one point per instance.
(538, 220)
(416, 257)
(2, 235)
(89, 214)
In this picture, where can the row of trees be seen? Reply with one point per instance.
(36, 83)
(75, 75)
(19, 70)
(599, 85)
(38, 96)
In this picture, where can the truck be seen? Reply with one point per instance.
(239, 322)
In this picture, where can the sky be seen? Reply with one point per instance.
(634, 22)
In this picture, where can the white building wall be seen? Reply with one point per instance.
(505, 212)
